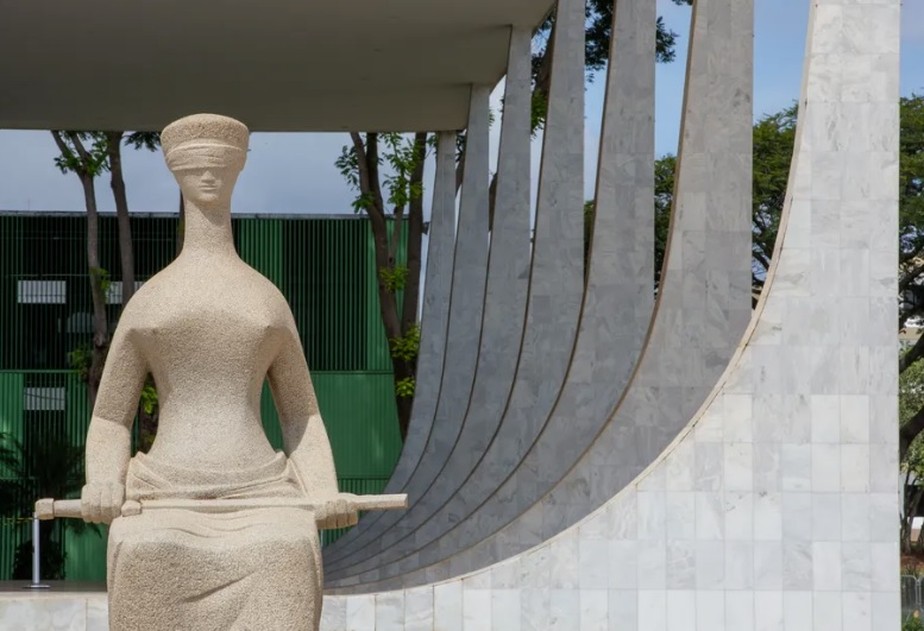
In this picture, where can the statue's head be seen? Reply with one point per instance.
(206, 153)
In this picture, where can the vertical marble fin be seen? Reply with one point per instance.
(504, 309)
(465, 320)
(434, 325)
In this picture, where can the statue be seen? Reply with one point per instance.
(233, 542)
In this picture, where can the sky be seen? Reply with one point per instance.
(295, 173)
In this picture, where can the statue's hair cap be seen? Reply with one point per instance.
(204, 129)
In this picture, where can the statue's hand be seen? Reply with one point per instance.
(101, 502)
(339, 511)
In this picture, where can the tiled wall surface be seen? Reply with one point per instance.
(776, 508)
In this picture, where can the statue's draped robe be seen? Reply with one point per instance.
(235, 570)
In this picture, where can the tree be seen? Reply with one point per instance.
(87, 161)
(148, 410)
(49, 466)
(403, 185)
(360, 164)
(774, 137)
(89, 155)
(911, 245)
(910, 401)
(597, 34)
(113, 144)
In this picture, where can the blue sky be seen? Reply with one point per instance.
(295, 172)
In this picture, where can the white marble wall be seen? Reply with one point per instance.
(776, 508)
(53, 611)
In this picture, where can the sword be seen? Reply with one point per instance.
(56, 509)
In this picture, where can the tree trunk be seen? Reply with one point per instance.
(96, 272)
(414, 239)
(396, 325)
(117, 182)
(912, 502)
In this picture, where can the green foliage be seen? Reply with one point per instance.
(80, 360)
(663, 199)
(149, 399)
(348, 166)
(539, 105)
(102, 276)
(589, 212)
(49, 466)
(395, 278)
(149, 140)
(399, 155)
(598, 31)
(910, 400)
(404, 388)
(92, 161)
(911, 175)
(774, 138)
(913, 623)
(407, 347)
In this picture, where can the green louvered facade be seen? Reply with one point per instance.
(323, 265)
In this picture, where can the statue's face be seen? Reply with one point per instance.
(206, 175)
(206, 186)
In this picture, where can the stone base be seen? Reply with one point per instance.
(65, 606)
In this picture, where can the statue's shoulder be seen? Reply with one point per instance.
(147, 292)
(266, 288)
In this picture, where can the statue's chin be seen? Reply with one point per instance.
(207, 200)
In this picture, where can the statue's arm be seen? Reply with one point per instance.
(108, 447)
(304, 436)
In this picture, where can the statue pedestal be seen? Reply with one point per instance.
(65, 606)
(73, 606)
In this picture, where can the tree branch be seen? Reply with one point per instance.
(62, 146)
(909, 276)
(912, 355)
(85, 156)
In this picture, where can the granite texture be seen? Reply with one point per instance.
(502, 325)
(210, 330)
(440, 255)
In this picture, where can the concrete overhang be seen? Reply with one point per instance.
(277, 65)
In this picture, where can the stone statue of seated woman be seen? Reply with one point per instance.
(210, 329)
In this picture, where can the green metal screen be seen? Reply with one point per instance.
(323, 265)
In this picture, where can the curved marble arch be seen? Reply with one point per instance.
(705, 287)
(465, 312)
(434, 325)
(799, 436)
(618, 298)
(504, 310)
(556, 275)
